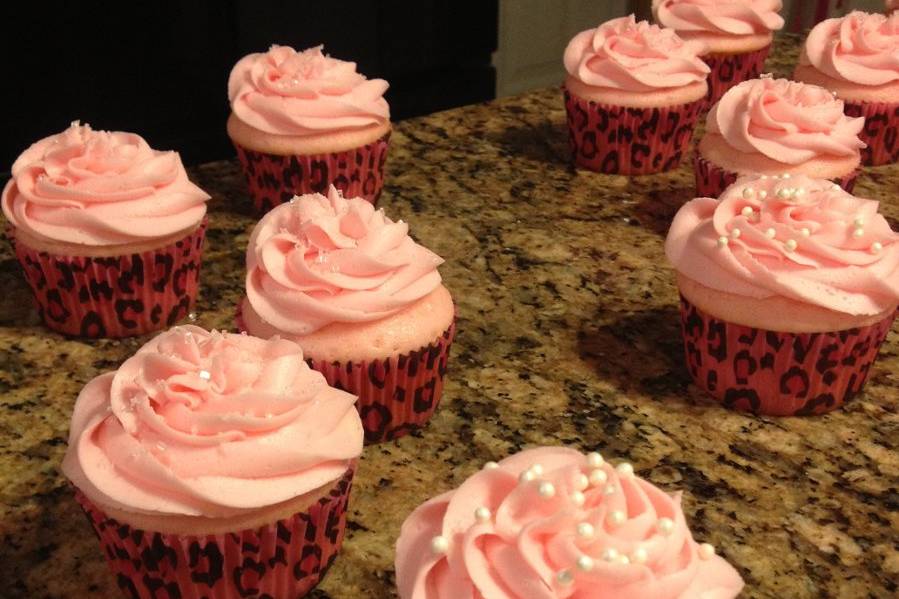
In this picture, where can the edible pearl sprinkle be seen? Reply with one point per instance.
(585, 563)
(805, 232)
(610, 554)
(482, 514)
(564, 577)
(858, 232)
(786, 175)
(665, 526)
(623, 559)
(859, 222)
(770, 232)
(784, 192)
(639, 556)
(537, 469)
(748, 192)
(876, 247)
(763, 194)
(790, 245)
(491, 466)
(598, 477)
(585, 530)
(547, 490)
(747, 211)
(706, 551)
(799, 191)
(610, 490)
(205, 375)
(595, 459)
(735, 233)
(578, 498)
(616, 518)
(625, 469)
(526, 476)
(439, 545)
(582, 482)
(834, 187)
(722, 241)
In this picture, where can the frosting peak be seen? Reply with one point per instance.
(285, 92)
(100, 188)
(786, 121)
(735, 17)
(551, 523)
(200, 423)
(799, 238)
(860, 47)
(323, 259)
(625, 54)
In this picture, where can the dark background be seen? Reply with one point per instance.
(160, 69)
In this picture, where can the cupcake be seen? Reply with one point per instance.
(857, 58)
(788, 288)
(774, 126)
(302, 121)
(109, 232)
(363, 300)
(737, 35)
(214, 465)
(633, 94)
(551, 522)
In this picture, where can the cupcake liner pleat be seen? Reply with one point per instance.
(287, 558)
(629, 141)
(712, 180)
(273, 179)
(728, 70)
(116, 296)
(774, 373)
(881, 131)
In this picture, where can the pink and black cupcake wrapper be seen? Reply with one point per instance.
(629, 141)
(778, 374)
(117, 296)
(881, 131)
(712, 180)
(273, 179)
(284, 559)
(728, 70)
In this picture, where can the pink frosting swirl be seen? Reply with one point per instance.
(860, 47)
(318, 260)
(286, 92)
(799, 238)
(550, 522)
(735, 17)
(625, 54)
(100, 188)
(786, 121)
(211, 424)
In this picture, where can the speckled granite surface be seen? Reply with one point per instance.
(568, 335)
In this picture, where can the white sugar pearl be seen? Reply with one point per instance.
(564, 577)
(783, 193)
(876, 247)
(585, 530)
(205, 375)
(526, 476)
(610, 555)
(547, 490)
(747, 211)
(439, 545)
(706, 551)
(598, 477)
(805, 231)
(578, 498)
(639, 556)
(585, 563)
(491, 466)
(786, 175)
(623, 559)
(582, 482)
(735, 233)
(763, 194)
(770, 233)
(537, 469)
(595, 459)
(722, 241)
(482, 514)
(610, 490)
(858, 232)
(616, 517)
(859, 222)
(625, 469)
(748, 192)
(790, 245)
(665, 526)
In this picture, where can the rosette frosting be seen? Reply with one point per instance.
(784, 120)
(551, 522)
(860, 47)
(625, 54)
(322, 259)
(735, 17)
(100, 188)
(211, 424)
(799, 238)
(286, 92)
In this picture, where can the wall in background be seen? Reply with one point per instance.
(533, 33)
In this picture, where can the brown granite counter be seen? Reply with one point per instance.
(568, 335)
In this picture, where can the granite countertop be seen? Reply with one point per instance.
(568, 335)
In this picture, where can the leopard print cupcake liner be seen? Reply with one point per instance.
(881, 131)
(285, 559)
(712, 180)
(629, 141)
(273, 179)
(117, 296)
(774, 373)
(728, 70)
